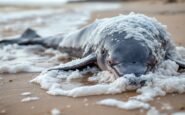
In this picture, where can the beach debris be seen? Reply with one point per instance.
(28, 99)
(55, 111)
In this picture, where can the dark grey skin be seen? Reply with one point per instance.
(112, 52)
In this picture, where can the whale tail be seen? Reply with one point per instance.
(30, 33)
(27, 35)
(30, 37)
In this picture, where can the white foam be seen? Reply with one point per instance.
(179, 113)
(153, 111)
(166, 106)
(101, 6)
(26, 93)
(102, 77)
(158, 84)
(148, 93)
(55, 111)
(28, 99)
(131, 104)
(164, 80)
(15, 59)
(50, 80)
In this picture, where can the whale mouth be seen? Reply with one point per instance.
(136, 69)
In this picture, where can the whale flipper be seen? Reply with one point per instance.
(179, 62)
(79, 64)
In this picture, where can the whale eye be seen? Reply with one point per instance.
(110, 62)
(152, 61)
(134, 62)
(103, 51)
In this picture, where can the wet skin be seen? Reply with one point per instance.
(126, 57)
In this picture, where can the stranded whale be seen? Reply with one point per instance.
(126, 44)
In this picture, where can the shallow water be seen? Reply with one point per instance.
(47, 20)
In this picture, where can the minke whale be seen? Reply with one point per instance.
(125, 44)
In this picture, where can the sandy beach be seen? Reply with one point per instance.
(12, 85)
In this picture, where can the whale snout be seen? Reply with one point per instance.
(136, 69)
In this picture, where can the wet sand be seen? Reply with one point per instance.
(12, 85)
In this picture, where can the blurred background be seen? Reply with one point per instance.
(50, 17)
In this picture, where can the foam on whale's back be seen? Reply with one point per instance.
(132, 26)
